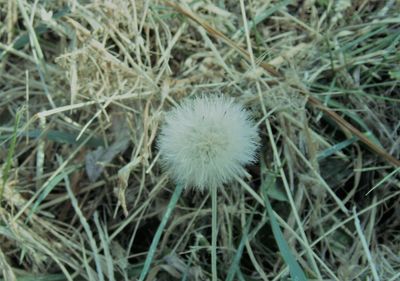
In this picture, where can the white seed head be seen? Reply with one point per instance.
(206, 141)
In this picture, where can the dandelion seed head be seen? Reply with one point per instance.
(206, 141)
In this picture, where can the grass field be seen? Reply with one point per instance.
(84, 88)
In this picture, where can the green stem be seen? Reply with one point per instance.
(153, 247)
(214, 233)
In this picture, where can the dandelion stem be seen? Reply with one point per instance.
(157, 236)
(214, 233)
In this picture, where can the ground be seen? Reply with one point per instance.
(84, 89)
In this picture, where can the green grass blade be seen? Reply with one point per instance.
(23, 40)
(49, 187)
(49, 277)
(59, 137)
(153, 247)
(294, 268)
(235, 263)
(246, 236)
(263, 16)
(105, 242)
(89, 233)
(336, 148)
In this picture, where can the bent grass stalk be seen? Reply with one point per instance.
(7, 166)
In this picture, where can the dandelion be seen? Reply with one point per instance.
(206, 141)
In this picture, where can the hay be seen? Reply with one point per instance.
(81, 75)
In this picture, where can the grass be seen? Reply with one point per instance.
(83, 89)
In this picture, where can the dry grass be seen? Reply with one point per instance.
(83, 88)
